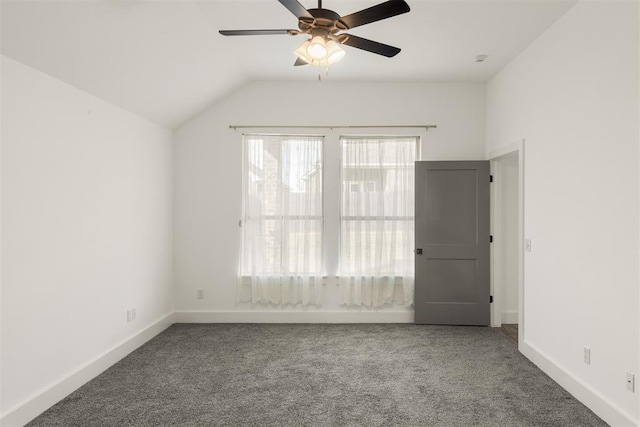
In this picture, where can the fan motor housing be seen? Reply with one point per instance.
(323, 18)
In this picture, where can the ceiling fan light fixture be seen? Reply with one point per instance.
(317, 48)
(334, 53)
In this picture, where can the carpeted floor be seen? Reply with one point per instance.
(510, 331)
(387, 374)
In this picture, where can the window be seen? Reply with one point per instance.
(369, 228)
(282, 216)
(376, 216)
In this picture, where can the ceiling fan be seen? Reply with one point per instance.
(325, 28)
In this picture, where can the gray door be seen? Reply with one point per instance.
(452, 243)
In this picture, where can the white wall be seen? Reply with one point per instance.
(86, 220)
(573, 96)
(207, 168)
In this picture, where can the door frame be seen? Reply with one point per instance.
(513, 149)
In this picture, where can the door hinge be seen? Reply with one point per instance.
(490, 239)
(490, 178)
(490, 299)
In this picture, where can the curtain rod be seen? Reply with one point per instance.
(427, 127)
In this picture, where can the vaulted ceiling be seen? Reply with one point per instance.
(164, 60)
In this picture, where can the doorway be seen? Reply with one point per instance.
(507, 228)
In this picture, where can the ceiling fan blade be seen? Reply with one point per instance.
(369, 45)
(296, 8)
(254, 32)
(376, 13)
(300, 62)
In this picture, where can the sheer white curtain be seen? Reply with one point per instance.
(377, 220)
(281, 258)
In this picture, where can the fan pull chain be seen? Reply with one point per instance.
(326, 74)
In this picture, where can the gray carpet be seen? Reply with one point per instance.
(244, 374)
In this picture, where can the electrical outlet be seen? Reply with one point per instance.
(527, 245)
(586, 355)
(631, 382)
(200, 293)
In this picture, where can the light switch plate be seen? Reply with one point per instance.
(586, 355)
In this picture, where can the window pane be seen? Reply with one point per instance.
(370, 247)
(282, 186)
(295, 248)
(377, 206)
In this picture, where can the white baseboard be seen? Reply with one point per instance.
(599, 404)
(293, 317)
(509, 317)
(37, 404)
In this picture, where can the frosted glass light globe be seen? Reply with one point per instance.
(317, 48)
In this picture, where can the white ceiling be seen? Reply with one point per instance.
(165, 60)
